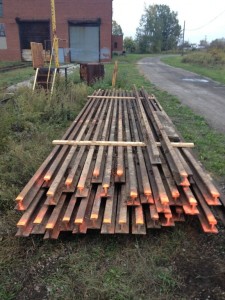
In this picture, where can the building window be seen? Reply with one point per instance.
(1, 8)
(2, 30)
(115, 45)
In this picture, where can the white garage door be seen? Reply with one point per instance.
(84, 43)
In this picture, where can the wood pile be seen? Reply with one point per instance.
(120, 168)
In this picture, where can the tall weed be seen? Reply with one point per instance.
(212, 58)
(29, 123)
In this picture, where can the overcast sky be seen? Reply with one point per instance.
(207, 14)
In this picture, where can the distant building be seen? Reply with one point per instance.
(117, 44)
(83, 27)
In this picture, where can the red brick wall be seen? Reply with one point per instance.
(65, 10)
(117, 44)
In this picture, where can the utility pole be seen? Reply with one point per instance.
(54, 35)
(183, 39)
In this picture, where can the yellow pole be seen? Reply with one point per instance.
(55, 39)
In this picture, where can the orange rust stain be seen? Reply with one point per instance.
(68, 182)
(175, 194)
(94, 216)
(20, 206)
(38, 220)
(185, 182)
(47, 177)
(19, 198)
(133, 194)
(147, 192)
(78, 221)
(164, 199)
(22, 223)
(96, 173)
(80, 188)
(49, 226)
(119, 172)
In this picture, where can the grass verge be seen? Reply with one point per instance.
(12, 77)
(179, 263)
(216, 73)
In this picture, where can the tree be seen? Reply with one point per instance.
(129, 44)
(218, 44)
(159, 29)
(203, 43)
(185, 45)
(116, 28)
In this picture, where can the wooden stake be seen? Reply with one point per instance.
(117, 144)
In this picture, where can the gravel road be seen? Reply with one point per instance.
(203, 95)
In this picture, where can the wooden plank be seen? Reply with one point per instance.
(96, 224)
(85, 224)
(37, 55)
(97, 203)
(179, 173)
(123, 209)
(85, 194)
(40, 228)
(70, 208)
(168, 126)
(205, 224)
(203, 176)
(109, 160)
(120, 152)
(107, 219)
(30, 196)
(109, 228)
(170, 181)
(53, 188)
(41, 214)
(150, 223)
(137, 215)
(161, 189)
(117, 143)
(153, 212)
(115, 97)
(100, 161)
(141, 162)
(166, 220)
(59, 226)
(187, 207)
(205, 208)
(86, 167)
(190, 197)
(55, 214)
(184, 163)
(27, 215)
(133, 189)
(149, 138)
(210, 200)
(53, 200)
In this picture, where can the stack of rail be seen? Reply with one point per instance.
(120, 168)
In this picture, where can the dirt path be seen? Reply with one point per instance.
(204, 96)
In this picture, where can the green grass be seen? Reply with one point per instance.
(11, 63)
(214, 72)
(12, 77)
(161, 265)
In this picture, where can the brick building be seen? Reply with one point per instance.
(83, 27)
(117, 44)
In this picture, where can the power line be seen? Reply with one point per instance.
(195, 29)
